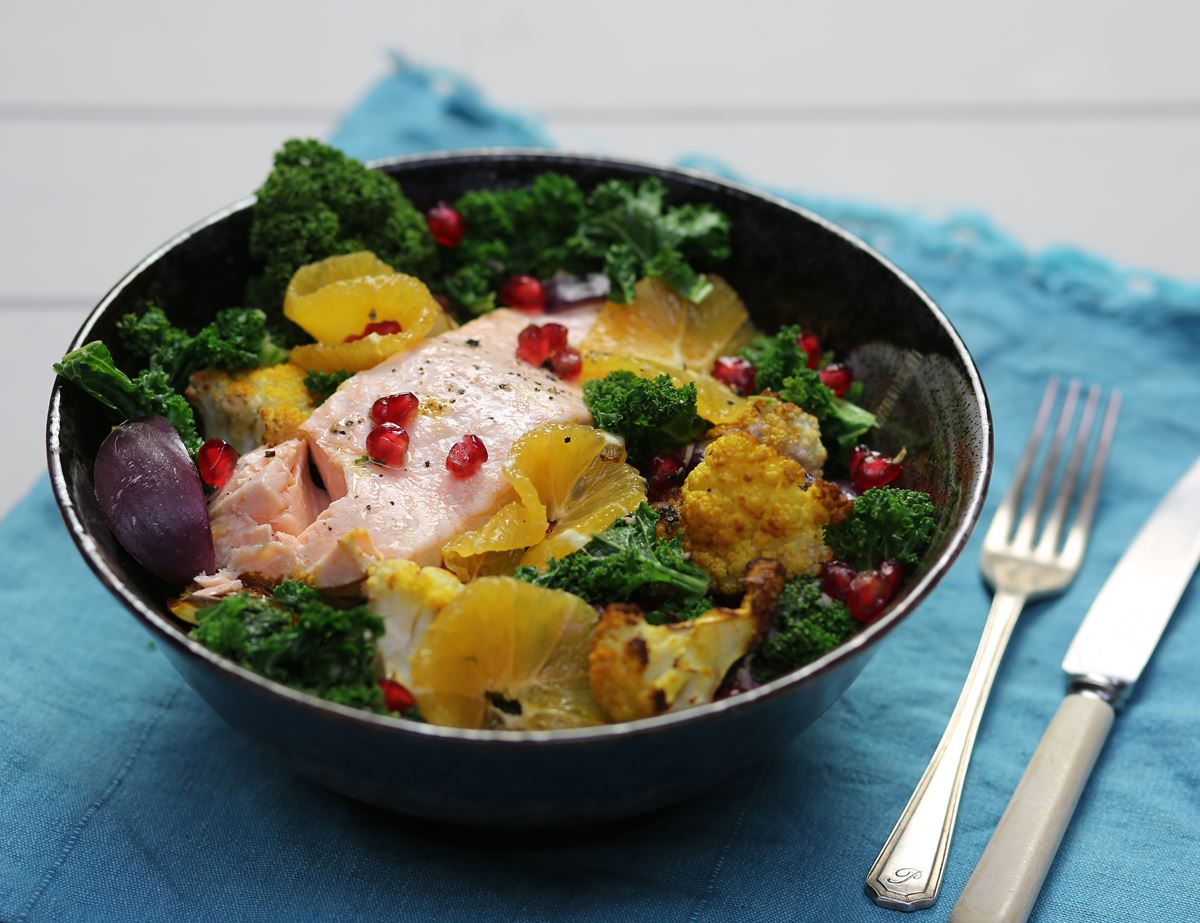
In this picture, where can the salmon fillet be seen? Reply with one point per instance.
(468, 380)
(261, 512)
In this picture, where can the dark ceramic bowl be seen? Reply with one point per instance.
(789, 266)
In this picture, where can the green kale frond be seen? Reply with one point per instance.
(236, 339)
(887, 523)
(298, 639)
(318, 202)
(91, 367)
(807, 624)
(627, 561)
(321, 385)
(649, 413)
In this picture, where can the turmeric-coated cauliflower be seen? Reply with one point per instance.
(746, 501)
(247, 409)
(638, 670)
(407, 597)
(784, 427)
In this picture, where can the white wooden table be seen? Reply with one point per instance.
(122, 122)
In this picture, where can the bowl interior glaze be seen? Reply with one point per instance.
(790, 267)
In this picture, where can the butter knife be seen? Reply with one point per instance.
(1105, 659)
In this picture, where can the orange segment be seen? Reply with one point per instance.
(661, 325)
(303, 306)
(714, 401)
(571, 482)
(345, 307)
(584, 483)
(507, 654)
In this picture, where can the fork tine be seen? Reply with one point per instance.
(1006, 512)
(1077, 535)
(1033, 512)
(1052, 530)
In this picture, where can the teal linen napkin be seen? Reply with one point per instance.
(123, 797)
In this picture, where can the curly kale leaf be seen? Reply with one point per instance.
(298, 639)
(680, 610)
(627, 561)
(887, 523)
(91, 367)
(807, 625)
(236, 339)
(321, 385)
(842, 421)
(650, 413)
(630, 230)
(781, 365)
(317, 202)
(522, 231)
(777, 358)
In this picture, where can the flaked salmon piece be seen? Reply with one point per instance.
(468, 380)
(212, 587)
(259, 515)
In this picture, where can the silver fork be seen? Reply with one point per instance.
(1022, 565)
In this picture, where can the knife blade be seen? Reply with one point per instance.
(1122, 628)
(1106, 657)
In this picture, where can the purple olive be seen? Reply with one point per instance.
(151, 495)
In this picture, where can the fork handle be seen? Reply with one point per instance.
(1010, 873)
(907, 874)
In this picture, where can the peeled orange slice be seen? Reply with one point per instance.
(571, 482)
(583, 481)
(715, 402)
(661, 325)
(334, 300)
(305, 304)
(507, 654)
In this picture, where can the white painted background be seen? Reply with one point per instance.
(122, 122)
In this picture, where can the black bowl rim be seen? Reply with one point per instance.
(168, 631)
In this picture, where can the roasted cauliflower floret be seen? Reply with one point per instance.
(247, 409)
(638, 670)
(784, 427)
(746, 501)
(407, 597)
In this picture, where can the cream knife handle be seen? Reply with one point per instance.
(1010, 873)
(907, 873)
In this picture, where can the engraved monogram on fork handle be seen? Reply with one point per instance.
(908, 872)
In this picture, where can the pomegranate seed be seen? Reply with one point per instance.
(215, 461)
(387, 444)
(531, 345)
(395, 696)
(868, 595)
(555, 337)
(446, 225)
(892, 573)
(836, 577)
(466, 456)
(837, 378)
(857, 454)
(811, 344)
(395, 408)
(567, 363)
(523, 292)
(872, 469)
(736, 372)
(849, 491)
(666, 470)
(383, 328)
